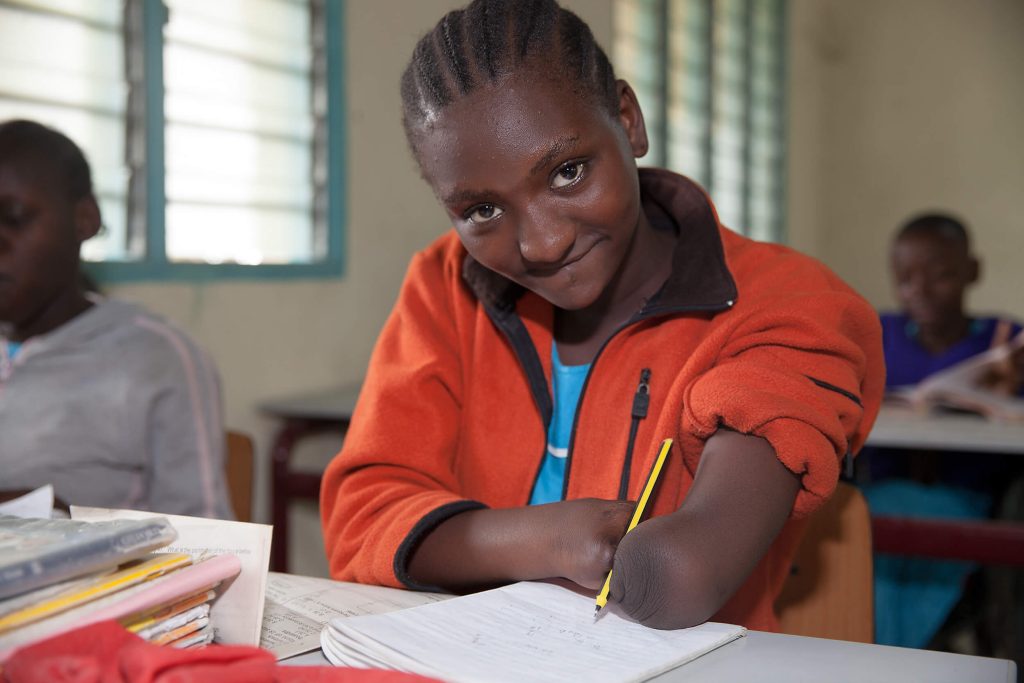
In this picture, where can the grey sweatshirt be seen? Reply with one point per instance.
(115, 408)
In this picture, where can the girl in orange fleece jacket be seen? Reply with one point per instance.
(580, 312)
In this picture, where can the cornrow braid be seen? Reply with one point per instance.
(491, 39)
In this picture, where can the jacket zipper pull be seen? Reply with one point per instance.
(641, 401)
(642, 397)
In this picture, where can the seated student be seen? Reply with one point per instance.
(580, 312)
(110, 404)
(932, 267)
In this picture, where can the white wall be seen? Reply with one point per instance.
(899, 106)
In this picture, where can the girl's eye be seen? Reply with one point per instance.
(483, 213)
(568, 174)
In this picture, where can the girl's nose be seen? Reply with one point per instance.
(545, 242)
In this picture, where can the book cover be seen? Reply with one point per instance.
(98, 586)
(40, 552)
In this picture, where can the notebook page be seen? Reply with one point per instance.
(526, 631)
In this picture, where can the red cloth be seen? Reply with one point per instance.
(107, 653)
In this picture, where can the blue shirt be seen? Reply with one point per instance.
(907, 362)
(12, 349)
(567, 384)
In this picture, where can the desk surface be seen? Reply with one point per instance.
(899, 427)
(773, 657)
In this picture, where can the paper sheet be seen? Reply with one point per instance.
(34, 504)
(523, 632)
(238, 612)
(298, 608)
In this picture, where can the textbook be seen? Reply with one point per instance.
(40, 552)
(94, 588)
(237, 614)
(528, 631)
(127, 604)
(967, 386)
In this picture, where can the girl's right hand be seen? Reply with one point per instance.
(585, 534)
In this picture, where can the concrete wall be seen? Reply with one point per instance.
(895, 106)
(899, 106)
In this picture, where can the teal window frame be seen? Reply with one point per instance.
(659, 119)
(154, 264)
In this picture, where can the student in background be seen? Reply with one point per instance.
(580, 312)
(110, 404)
(932, 266)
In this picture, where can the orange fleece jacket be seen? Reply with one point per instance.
(454, 408)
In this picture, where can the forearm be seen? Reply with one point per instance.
(485, 547)
(573, 539)
(680, 569)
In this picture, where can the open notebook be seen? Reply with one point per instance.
(523, 632)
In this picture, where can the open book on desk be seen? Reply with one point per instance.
(966, 386)
(528, 631)
(298, 608)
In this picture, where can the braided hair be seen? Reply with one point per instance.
(491, 39)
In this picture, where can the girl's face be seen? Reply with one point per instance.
(41, 231)
(540, 183)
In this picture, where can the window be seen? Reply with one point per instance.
(710, 77)
(214, 138)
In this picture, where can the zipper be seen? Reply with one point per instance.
(508, 322)
(641, 316)
(641, 400)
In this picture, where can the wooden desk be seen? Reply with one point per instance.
(301, 416)
(899, 427)
(778, 658)
(988, 542)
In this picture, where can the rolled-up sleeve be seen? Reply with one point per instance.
(806, 374)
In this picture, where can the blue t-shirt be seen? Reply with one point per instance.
(567, 383)
(907, 362)
(12, 349)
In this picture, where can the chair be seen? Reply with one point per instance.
(238, 465)
(830, 591)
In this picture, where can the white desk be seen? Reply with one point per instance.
(777, 658)
(900, 427)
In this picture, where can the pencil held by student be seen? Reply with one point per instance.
(580, 311)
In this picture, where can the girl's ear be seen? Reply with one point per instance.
(87, 218)
(632, 119)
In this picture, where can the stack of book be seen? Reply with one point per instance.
(60, 574)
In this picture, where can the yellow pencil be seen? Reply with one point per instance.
(652, 479)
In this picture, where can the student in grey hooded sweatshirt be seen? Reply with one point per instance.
(107, 402)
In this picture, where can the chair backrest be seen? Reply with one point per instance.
(239, 466)
(830, 593)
